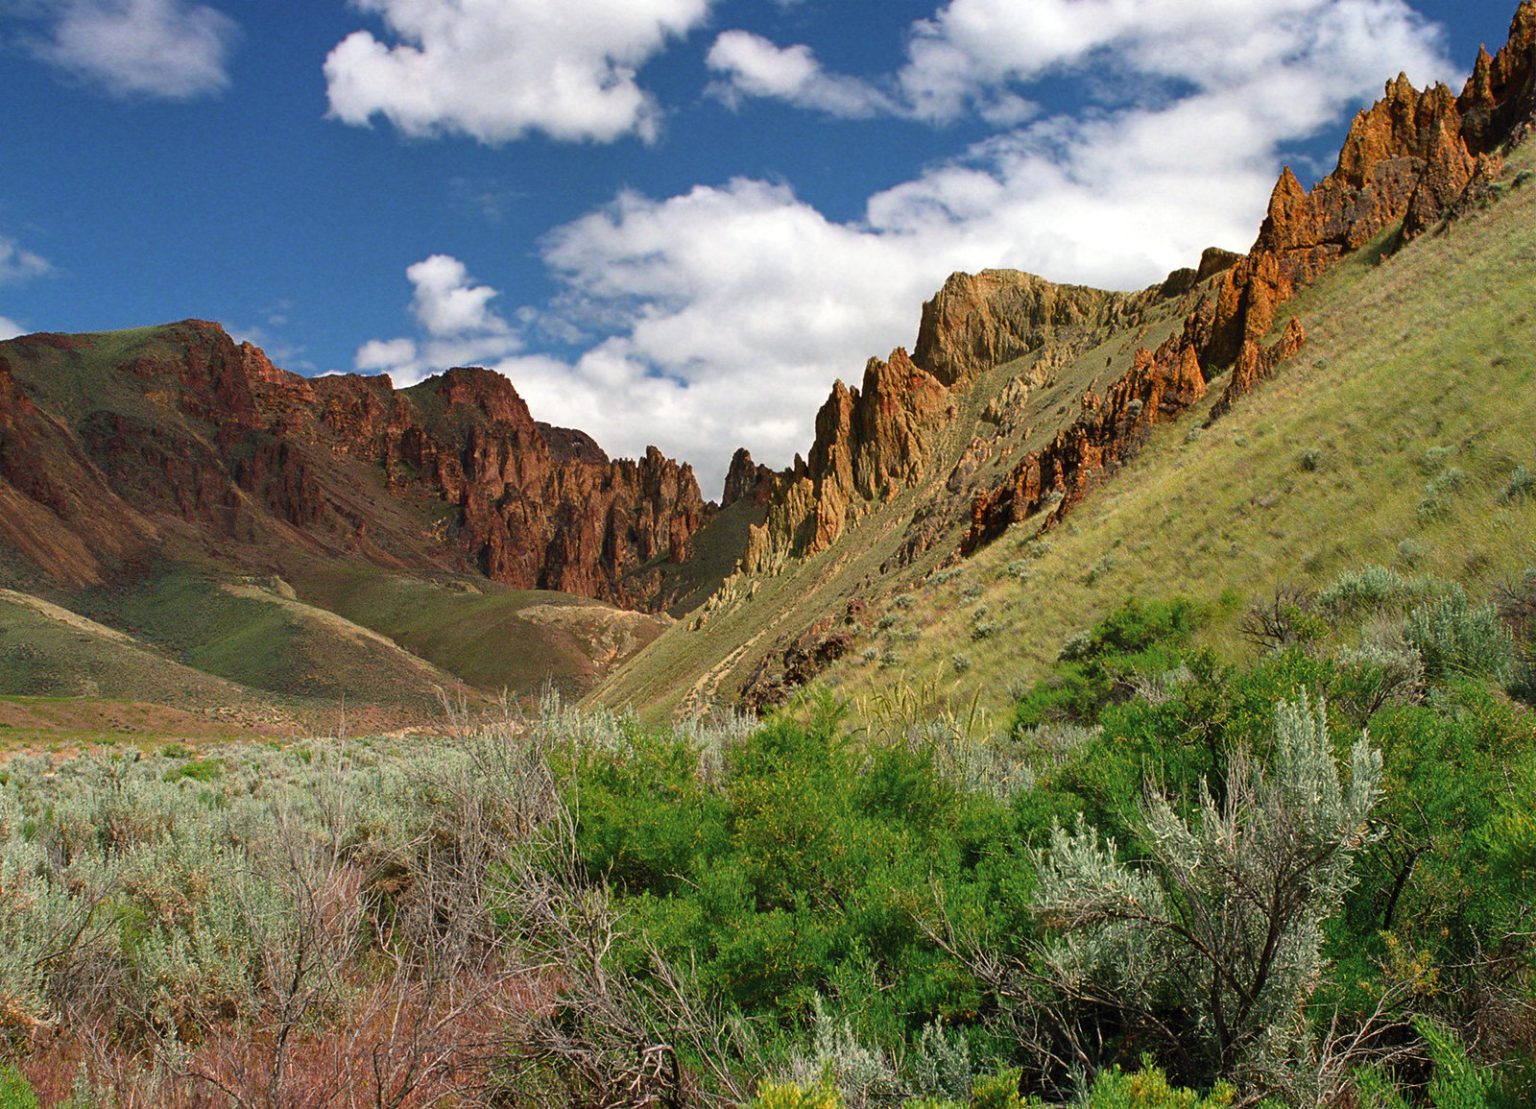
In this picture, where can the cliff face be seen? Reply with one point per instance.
(981, 320)
(747, 481)
(195, 428)
(874, 441)
(871, 442)
(59, 513)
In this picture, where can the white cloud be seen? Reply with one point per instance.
(9, 328)
(724, 313)
(447, 302)
(753, 66)
(971, 49)
(385, 355)
(170, 49)
(18, 263)
(977, 55)
(458, 326)
(497, 69)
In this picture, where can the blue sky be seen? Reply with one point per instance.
(668, 221)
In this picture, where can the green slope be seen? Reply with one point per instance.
(1391, 437)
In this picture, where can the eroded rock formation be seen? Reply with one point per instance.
(1409, 160)
(196, 428)
(871, 442)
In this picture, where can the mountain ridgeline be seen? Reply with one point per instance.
(127, 458)
(112, 440)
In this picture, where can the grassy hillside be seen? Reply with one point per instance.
(488, 635)
(1391, 438)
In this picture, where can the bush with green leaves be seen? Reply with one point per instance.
(800, 879)
(1152, 858)
(1456, 637)
(15, 1091)
(1370, 589)
(1220, 928)
(1095, 665)
(1520, 484)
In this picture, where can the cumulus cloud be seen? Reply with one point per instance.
(496, 70)
(166, 49)
(9, 328)
(458, 326)
(982, 56)
(750, 65)
(722, 315)
(18, 263)
(447, 302)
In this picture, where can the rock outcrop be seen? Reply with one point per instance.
(981, 320)
(747, 481)
(55, 508)
(871, 442)
(1159, 387)
(196, 428)
(876, 440)
(1408, 161)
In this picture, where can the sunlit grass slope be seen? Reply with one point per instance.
(1396, 436)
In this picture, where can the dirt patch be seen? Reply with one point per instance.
(608, 635)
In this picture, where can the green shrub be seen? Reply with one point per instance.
(15, 1091)
(1369, 589)
(1521, 484)
(985, 629)
(1439, 492)
(1454, 636)
(1148, 1088)
(1433, 459)
(940, 1064)
(791, 1095)
(1093, 667)
(196, 770)
(1458, 1082)
(1147, 937)
(1103, 566)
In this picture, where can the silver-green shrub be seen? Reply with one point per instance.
(1223, 919)
(1455, 636)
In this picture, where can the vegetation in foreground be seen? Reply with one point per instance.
(1303, 875)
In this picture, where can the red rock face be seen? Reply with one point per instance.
(871, 443)
(54, 506)
(1408, 160)
(454, 473)
(1158, 387)
(747, 481)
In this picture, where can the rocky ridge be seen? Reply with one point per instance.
(196, 429)
(1409, 160)
(1410, 164)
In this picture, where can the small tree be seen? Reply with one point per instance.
(1213, 942)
